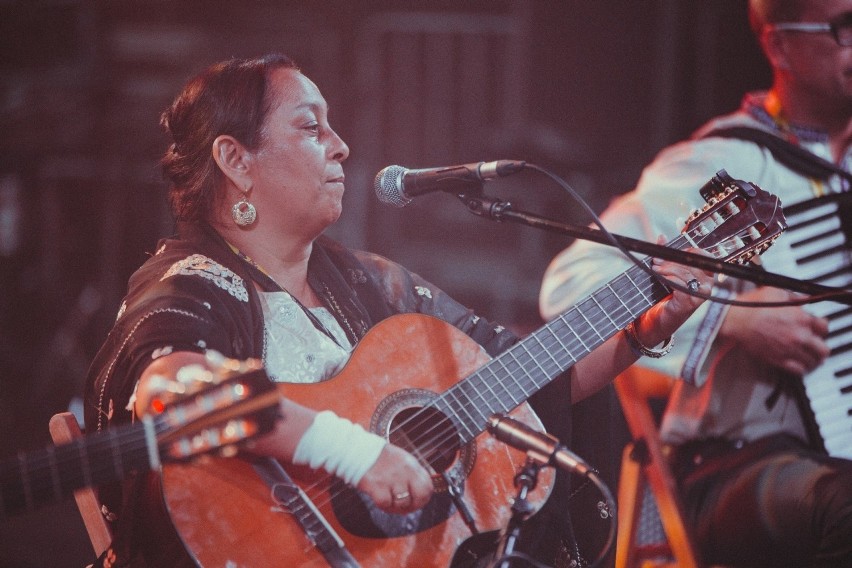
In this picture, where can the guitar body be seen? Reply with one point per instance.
(225, 512)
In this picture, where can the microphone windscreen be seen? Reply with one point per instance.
(388, 186)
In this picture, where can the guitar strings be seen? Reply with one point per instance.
(441, 434)
(46, 472)
(428, 441)
(431, 439)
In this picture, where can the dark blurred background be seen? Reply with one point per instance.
(589, 90)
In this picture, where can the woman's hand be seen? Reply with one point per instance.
(658, 324)
(662, 320)
(397, 482)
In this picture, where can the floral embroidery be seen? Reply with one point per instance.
(356, 276)
(423, 291)
(200, 265)
(287, 312)
(157, 353)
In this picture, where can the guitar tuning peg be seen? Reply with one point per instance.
(190, 374)
(229, 451)
(161, 385)
(226, 366)
(215, 358)
(164, 391)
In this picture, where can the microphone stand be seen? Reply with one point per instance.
(525, 481)
(498, 210)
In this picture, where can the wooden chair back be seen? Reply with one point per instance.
(645, 464)
(64, 428)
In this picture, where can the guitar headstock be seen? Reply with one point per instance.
(740, 220)
(215, 410)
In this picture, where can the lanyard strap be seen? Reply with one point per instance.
(793, 156)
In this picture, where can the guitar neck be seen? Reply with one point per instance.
(229, 411)
(37, 478)
(521, 371)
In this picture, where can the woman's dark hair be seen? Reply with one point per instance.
(230, 98)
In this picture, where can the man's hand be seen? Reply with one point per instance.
(788, 337)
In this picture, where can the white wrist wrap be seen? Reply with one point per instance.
(339, 446)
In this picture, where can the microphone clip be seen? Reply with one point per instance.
(480, 204)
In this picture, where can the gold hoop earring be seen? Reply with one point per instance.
(243, 212)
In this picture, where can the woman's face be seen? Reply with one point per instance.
(297, 172)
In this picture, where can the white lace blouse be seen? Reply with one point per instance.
(296, 351)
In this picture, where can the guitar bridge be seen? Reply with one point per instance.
(293, 500)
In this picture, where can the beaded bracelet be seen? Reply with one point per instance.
(639, 349)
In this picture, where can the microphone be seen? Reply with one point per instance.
(546, 448)
(396, 185)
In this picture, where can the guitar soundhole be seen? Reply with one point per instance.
(407, 420)
(427, 434)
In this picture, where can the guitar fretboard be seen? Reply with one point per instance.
(217, 414)
(44, 476)
(521, 371)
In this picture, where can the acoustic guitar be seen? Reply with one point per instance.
(428, 387)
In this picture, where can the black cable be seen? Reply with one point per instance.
(613, 516)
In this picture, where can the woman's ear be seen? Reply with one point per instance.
(233, 160)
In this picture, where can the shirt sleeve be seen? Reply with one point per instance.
(169, 313)
(666, 194)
